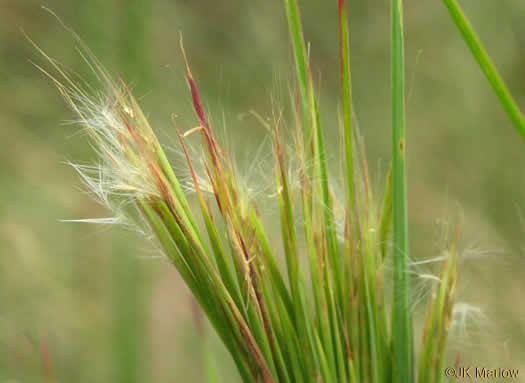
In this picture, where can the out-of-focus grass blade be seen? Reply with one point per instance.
(486, 66)
(130, 332)
(401, 317)
(385, 220)
(128, 326)
(347, 98)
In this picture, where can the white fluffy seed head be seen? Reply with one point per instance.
(123, 169)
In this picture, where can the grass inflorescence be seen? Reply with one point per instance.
(329, 314)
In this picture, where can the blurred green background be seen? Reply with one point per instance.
(88, 303)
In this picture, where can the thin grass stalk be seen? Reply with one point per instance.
(302, 314)
(313, 135)
(439, 315)
(317, 207)
(486, 65)
(301, 63)
(401, 315)
(347, 287)
(346, 91)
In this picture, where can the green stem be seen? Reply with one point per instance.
(401, 318)
(486, 66)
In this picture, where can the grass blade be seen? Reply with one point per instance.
(486, 66)
(401, 320)
(347, 98)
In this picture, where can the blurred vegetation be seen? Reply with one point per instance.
(100, 302)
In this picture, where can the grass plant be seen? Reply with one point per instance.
(326, 316)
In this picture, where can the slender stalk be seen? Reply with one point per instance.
(401, 319)
(299, 50)
(486, 66)
(347, 98)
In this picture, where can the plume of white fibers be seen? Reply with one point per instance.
(424, 280)
(118, 130)
(249, 172)
(467, 320)
(122, 174)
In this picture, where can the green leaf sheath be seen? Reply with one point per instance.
(401, 310)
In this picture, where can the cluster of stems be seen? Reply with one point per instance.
(315, 308)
